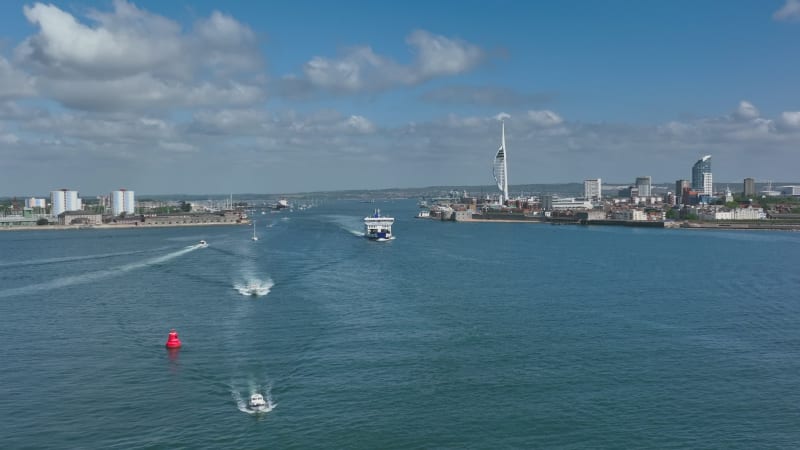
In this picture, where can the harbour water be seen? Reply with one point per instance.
(453, 335)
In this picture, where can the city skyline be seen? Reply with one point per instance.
(204, 97)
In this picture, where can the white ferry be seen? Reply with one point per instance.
(378, 228)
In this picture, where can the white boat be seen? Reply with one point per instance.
(257, 403)
(203, 244)
(378, 228)
(255, 238)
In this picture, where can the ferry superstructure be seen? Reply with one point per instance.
(378, 228)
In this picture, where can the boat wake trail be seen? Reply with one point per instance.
(241, 403)
(95, 276)
(347, 223)
(254, 287)
(42, 262)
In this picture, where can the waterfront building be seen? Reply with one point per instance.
(34, 202)
(732, 214)
(501, 166)
(790, 191)
(122, 201)
(569, 203)
(592, 189)
(702, 180)
(644, 186)
(64, 200)
(79, 218)
(680, 186)
(728, 195)
(749, 187)
(547, 202)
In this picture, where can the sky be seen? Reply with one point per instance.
(281, 97)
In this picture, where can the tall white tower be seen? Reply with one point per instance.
(501, 166)
(64, 200)
(122, 201)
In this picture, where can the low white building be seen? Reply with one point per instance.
(791, 191)
(629, 214)
(733, 214)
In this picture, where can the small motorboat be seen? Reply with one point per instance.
(253, 288)
(257, 403)
(203, 244)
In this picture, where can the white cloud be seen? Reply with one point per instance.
(746, 111)
(14, 83)
(8, 138)
(789, 11)
(441, 56)
(791, 119)
(361, 69)
(177, 147)
(131, 59)
(293, 151)
(128, 42)
(360, 124)
(545, 118)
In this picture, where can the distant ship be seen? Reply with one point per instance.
(282, 204)
(378, 228)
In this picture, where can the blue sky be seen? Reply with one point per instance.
(191, 97)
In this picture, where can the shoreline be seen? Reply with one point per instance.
(112, 226)
(643, 224)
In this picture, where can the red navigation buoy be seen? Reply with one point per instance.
(172, 340)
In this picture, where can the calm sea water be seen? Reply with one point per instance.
(451, 336)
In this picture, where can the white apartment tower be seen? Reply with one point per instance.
(64, 200)
(592, 189)
(122, 201)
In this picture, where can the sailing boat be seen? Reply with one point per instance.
(255, 238)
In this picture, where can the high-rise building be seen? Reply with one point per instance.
(122, 201)
(64, 200)
(680, 186)
(702, 181)
(749, 187)
(643, 185)
(593, 189)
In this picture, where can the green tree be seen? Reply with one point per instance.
(671, 214)
(42, 221)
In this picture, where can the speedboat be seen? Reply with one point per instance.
(203, 244)
(257, 403)
(252, 288)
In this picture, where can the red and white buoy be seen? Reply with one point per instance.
(172, 339)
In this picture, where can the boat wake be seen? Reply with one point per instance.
(254, 287)
(45, 261)
(241, 402)
(346, 223)
(94, 276)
